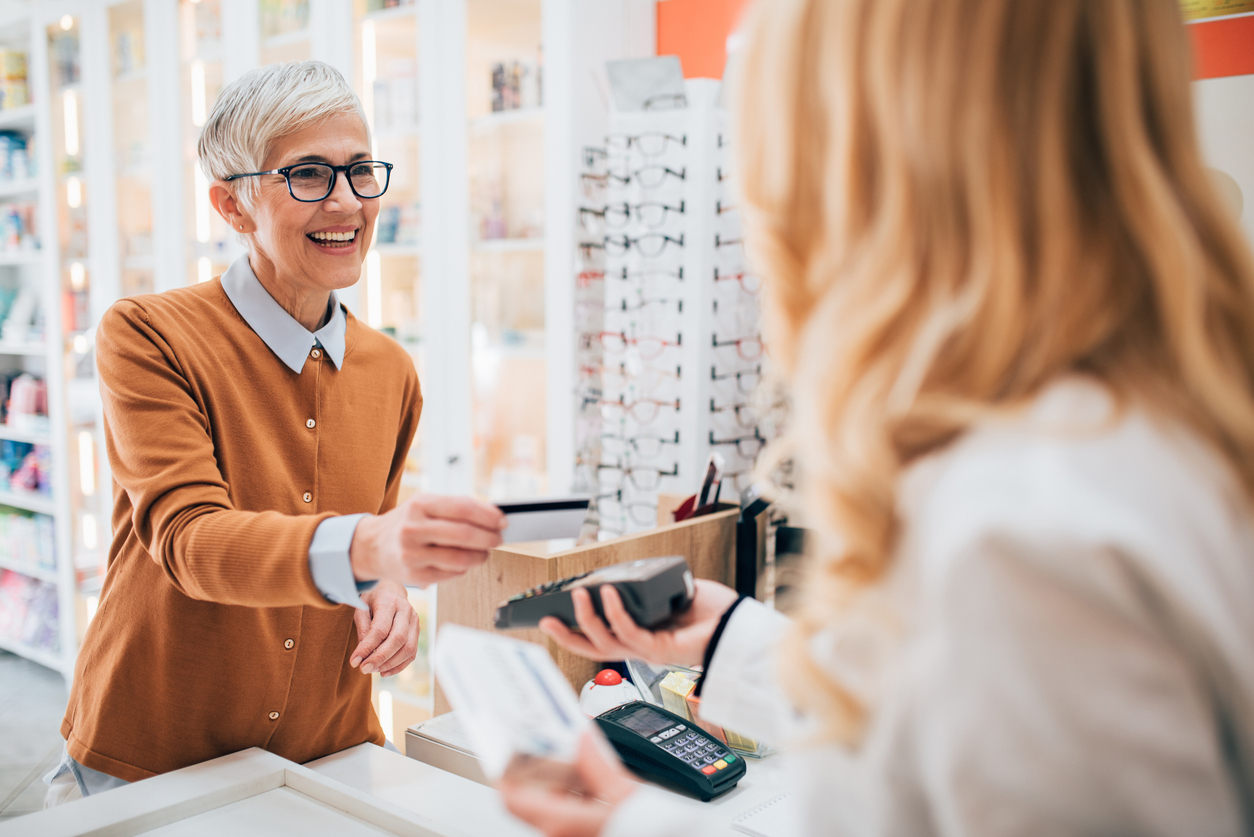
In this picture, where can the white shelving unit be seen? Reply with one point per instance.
(24, 29)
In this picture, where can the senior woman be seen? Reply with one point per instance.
(1018, 322)
(257, 434)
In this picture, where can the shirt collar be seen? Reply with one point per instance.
(288, 339)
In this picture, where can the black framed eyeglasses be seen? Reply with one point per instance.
(314, 182)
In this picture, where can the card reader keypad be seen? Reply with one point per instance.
(694, 749)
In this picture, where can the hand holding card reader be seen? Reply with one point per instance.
(660, 744)
(653, 590)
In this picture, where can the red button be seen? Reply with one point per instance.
(708, 769)
(608, 677)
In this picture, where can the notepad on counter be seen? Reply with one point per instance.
(777, 817)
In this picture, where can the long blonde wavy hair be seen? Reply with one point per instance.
(956, 202)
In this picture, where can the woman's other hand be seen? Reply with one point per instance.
(427, 538)
(562, 812)
(681, 642)
(387, 633)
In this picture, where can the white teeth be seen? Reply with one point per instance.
(333, 236)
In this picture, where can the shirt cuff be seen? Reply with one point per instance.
(329, 564)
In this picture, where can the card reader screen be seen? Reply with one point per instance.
(646, 721)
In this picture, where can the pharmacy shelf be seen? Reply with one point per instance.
(393, 249)
(504, 118)
(16, 257)
(131, 76)
(396, 13)
(30, 502)
(40, 573)
(37, 655)
(15, 188)
(22, 349)
(510, 245)
(23, 117)
(300, 36)
(18, 434)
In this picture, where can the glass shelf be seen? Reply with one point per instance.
(385, 77)
(506, 133)
(209, 244)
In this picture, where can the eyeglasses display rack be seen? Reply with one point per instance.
(669, 361)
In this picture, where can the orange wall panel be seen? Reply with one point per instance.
(1223, 47)
(696, 31)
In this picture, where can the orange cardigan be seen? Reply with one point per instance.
(210, 636)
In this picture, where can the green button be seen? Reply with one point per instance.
(729, 758)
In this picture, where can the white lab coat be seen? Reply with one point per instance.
(1076, 656)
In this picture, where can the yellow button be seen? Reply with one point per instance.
(274, 716)
(289, 644)
(310, 423)
(315, 354)
(308, 498)
(720, 764)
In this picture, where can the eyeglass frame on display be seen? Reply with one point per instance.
(286, 171)
(627, 242)
(756, 437)
(653, 301)
(587, 371)
(600, 336)
(757, 372)
(628, 473)
(740, 277)
(635, 139)
(737, 343)
(736, 409)
(731, 242)
(630, 409)
(634, 440)
(628, 214)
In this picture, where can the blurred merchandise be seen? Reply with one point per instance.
(399, 224)
(27, 540)
(14, 92)
(280, 17)
(66, 60)
(26, 468)
(396, 96)
(19, 322)
(14, 157)
(128, 53)
(17, 227)
(380, 5)
(516, 85)
(25, 402)
(28, 611)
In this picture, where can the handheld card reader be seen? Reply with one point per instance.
(661, 745)
(653, 590)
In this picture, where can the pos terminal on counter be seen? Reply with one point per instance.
(663, 746)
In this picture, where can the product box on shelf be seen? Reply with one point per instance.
(26, 540)
(28, 611)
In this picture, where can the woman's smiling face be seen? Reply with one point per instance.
(314, 248)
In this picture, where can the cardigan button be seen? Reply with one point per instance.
(310, 423)
(274, 716)
(315, 354)
(308, 498)
(289, 644)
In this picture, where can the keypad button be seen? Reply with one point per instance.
(708, 769)
(720, 764)
(681, 728)
(728, 757)
(656, 739)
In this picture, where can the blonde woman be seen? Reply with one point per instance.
(1018, 325)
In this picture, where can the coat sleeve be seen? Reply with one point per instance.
(163, 460)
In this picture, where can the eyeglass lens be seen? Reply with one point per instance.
(314, 181)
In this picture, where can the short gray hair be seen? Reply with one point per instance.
(264, 104)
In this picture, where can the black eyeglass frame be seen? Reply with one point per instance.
(286, 171)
